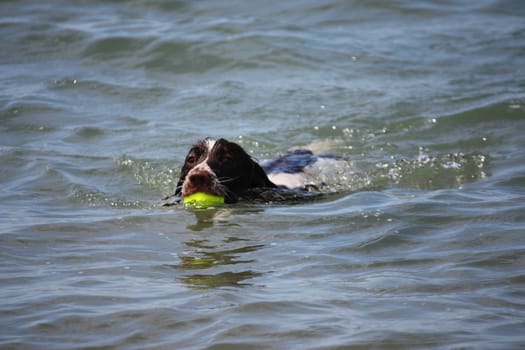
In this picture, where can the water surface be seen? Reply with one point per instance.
(419, 244)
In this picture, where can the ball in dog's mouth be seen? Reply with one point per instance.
(202, 200)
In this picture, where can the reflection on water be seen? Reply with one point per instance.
(207, 259)
(205, 218)
(212, 260)
(223, 279)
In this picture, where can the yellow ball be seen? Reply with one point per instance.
(203, 200)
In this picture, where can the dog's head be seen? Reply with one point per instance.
(221, 168)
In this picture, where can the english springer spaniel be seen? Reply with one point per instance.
(223, 168)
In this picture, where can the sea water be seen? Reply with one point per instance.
(420, 242)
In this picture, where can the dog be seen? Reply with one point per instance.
(224, 168)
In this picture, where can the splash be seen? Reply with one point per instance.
(426, 171)
(451, 170)
(95, 199)
(155, 175)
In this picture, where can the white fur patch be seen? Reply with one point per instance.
(209, 144)
(324, 172)
(297, 180)
(203, 166)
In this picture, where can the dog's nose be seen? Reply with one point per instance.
(200, 178)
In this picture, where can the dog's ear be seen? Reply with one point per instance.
(178, 189)
(259, 177)
(183, 172)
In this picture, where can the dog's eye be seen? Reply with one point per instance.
(190, 160)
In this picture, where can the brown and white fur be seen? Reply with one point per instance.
(223, 168)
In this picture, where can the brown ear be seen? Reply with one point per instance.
(259, 177)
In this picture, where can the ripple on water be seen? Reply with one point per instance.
(419, 242)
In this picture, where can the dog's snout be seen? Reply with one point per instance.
(200, 178)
